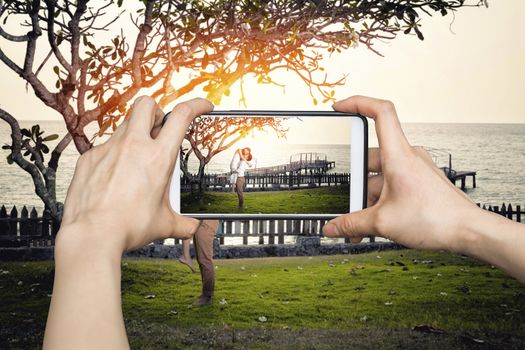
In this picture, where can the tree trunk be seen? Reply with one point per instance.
(200, 177)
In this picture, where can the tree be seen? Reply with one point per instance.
(218, 41)
(211, 136)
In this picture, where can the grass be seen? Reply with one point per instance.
(320, 200)
(370, 299)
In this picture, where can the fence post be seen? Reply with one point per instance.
(24, 227)
(271, 232)
(245, 231)
(518, 213)
(46, 220)
(13, 224)
(509, 211)
(4, 225)
(260, 230)
(228, 228)
(35, 227)
(280, 231)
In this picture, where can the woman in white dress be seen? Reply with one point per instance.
(240, 162)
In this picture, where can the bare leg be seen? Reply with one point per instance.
(186, 257)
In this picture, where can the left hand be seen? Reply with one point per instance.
(119, 191)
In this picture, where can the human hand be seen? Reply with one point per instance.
(410, 201)
(119, 191)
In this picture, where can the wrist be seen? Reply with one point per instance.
(481, 233)
(88, 238)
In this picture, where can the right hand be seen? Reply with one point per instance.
(411, 201)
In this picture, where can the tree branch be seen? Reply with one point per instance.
(32, 169)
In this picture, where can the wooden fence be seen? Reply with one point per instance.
(26, 230)
(30, 230)
(268, 182)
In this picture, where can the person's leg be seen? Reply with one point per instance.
(203, 241)
(186, 257)
(233, 180)
(239, 187)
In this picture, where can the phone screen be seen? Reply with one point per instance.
(267, 164)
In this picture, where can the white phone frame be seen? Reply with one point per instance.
(358, 166)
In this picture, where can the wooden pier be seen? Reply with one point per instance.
(311, 162)
(304, 170)
(453, 175)
(462, 176)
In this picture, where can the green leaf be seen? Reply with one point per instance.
(9, 159)
(315, 102)
(6, 147)
(50, 137)
(56, 70)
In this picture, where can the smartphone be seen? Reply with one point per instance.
(271, 165)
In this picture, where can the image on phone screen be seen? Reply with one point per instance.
(269, 165)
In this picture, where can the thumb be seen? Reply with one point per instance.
(183, 227)
(353, 225)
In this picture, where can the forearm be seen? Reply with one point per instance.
(497, 240)
(85, 311)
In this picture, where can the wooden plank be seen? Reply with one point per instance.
(280, 231)
(260, 230)
(509, 211)
(4, 225)
(271, 232)
(13, 223)
(245, 231)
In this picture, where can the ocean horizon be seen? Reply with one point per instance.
(495, 151)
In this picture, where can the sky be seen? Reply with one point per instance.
(468, 71)
(301, 131)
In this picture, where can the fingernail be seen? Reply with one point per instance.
(331, 229)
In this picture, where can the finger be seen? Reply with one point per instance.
(425, 156)
(375, 186)
(357, 224)
(391, 138)
(121, 129)
(184, 227)
(142, 115)
(175, 127)
(157, 125)
(374, 160)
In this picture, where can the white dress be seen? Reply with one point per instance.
(238, 167)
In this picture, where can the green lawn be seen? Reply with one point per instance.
(321, 200)
(371, 300)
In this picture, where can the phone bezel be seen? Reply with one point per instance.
(174, 190)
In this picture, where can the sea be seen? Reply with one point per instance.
(495, 151)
